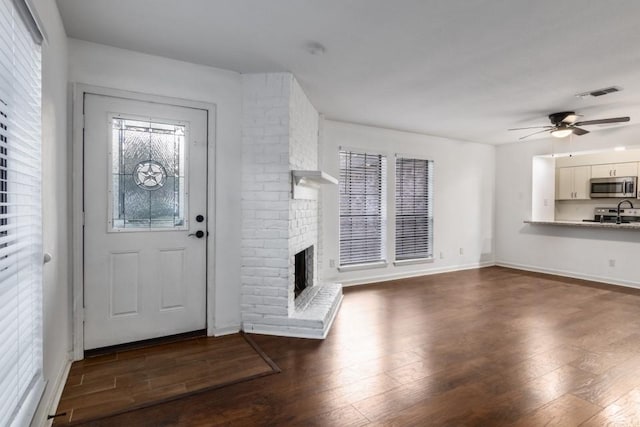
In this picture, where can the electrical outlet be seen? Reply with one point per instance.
(332, 263)
(461, 251)
(546, 202)
(441, 255)
(612, 263)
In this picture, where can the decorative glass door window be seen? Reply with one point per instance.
(148, 176)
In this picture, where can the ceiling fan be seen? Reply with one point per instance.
(565, 123)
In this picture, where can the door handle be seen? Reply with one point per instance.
(199, 234)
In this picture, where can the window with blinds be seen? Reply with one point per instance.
(362, 208)
(21, 381)
(414, 214)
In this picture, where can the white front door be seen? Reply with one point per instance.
(145, 233)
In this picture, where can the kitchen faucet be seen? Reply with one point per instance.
(618, 220)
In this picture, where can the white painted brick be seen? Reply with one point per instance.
(252, 280)
(252, 299)
(253, 243)
(276, 244)
(273, 101)
(268, 215)
(276, 281)
(277, 301)
(275, 262)
(248, 317)
(261, 290)
(269, 309)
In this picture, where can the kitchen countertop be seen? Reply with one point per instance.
(629, 226)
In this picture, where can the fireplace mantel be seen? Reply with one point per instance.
(304, 183)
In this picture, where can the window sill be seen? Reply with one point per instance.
(413, 261)
(367, 266)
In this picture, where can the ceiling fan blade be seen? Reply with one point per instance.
(532, 127)
(578, 131)
(535, 133)
(603, 121)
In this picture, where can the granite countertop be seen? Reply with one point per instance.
(609, 225)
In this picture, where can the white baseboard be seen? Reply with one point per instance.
(572, 274)
(425, 272)
(48, 407)
(226, 330)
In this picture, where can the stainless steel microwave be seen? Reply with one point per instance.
(622, 186)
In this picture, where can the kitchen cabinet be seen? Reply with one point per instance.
(573, 183)
(614, 169)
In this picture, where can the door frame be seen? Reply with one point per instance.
(77, 190)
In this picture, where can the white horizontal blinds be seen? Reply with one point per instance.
(362, 207)
(414, 214)
(20, 218)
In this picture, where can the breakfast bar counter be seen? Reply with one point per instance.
(635, 226)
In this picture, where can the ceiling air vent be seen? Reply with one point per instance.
(599, 92)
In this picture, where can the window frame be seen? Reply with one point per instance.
(380, 262)
(417, 258)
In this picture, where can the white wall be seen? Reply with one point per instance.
(463, 199)
(576, 252)
(55, 191)
(105, 66)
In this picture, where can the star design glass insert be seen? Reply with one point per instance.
(148, 175)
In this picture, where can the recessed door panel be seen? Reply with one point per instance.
(171, 279)
(124, 283)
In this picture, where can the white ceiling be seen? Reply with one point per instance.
(461, 69)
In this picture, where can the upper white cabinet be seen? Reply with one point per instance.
(614, 169)
(573, 183)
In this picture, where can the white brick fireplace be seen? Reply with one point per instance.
(280, 134)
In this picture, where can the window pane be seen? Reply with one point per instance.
(148, 175)
(362, 207)
(414, 218)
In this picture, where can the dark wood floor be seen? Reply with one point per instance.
(482, 347)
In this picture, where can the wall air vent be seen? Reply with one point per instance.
(599, 92)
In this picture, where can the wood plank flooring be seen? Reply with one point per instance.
(487, 347)
(124, 380)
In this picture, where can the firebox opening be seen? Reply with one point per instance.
(303, 270)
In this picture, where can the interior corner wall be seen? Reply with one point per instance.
(105, 66)
(574, 252)
(463, 200)
(56, 301)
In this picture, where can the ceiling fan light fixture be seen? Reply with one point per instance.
(571, 118)
(561, 132)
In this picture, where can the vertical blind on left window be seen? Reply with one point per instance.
(21, 381)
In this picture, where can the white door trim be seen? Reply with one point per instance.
(77, 184)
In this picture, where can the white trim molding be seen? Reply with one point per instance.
(425, 272)
(49, 408)
(571, 274)
(226, 330)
